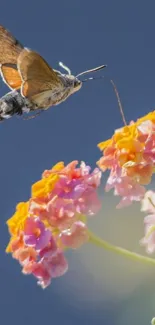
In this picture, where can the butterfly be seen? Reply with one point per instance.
(26, 71)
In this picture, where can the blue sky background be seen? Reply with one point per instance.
(99, 288)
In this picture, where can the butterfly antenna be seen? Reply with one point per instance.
(119, 102)
(65, 67)
(92, 70)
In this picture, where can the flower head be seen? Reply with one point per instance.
(130, 157)
(54, 219)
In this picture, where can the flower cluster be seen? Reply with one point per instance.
(53, 220)
(130, 157)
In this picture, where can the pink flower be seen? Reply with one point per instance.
(35, 233)
(37, 206)
(76, 236)
(61, 213)
(73, 194)
(25, 255)
(51, 267)
(124, 186)
(89, 204)
(49, 250)
(58, 264)
(41, 272)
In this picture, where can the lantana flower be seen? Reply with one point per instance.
(54, 219)
(130, 157)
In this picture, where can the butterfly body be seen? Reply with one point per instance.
(13, 103)
(67, 86)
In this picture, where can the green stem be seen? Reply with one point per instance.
(121, 251)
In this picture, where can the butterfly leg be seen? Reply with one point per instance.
(32, 116)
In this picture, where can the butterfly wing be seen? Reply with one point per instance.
(11, 76)
(37, 92)
(38, 77)
(10, 49)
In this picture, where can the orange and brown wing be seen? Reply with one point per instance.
(38, 77)
(11, 76)
(10, 48)
(33, 88)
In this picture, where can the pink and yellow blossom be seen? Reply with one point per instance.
(130, 157)
(53, 220)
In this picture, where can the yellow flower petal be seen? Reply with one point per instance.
(9, 248)
(150, 116)
(51, 181)
(38, 188)
(104, 144)
(17, 221)
(127, 132)
(58, 167)
(43, 187)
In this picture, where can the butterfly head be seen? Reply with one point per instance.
(73, 83)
